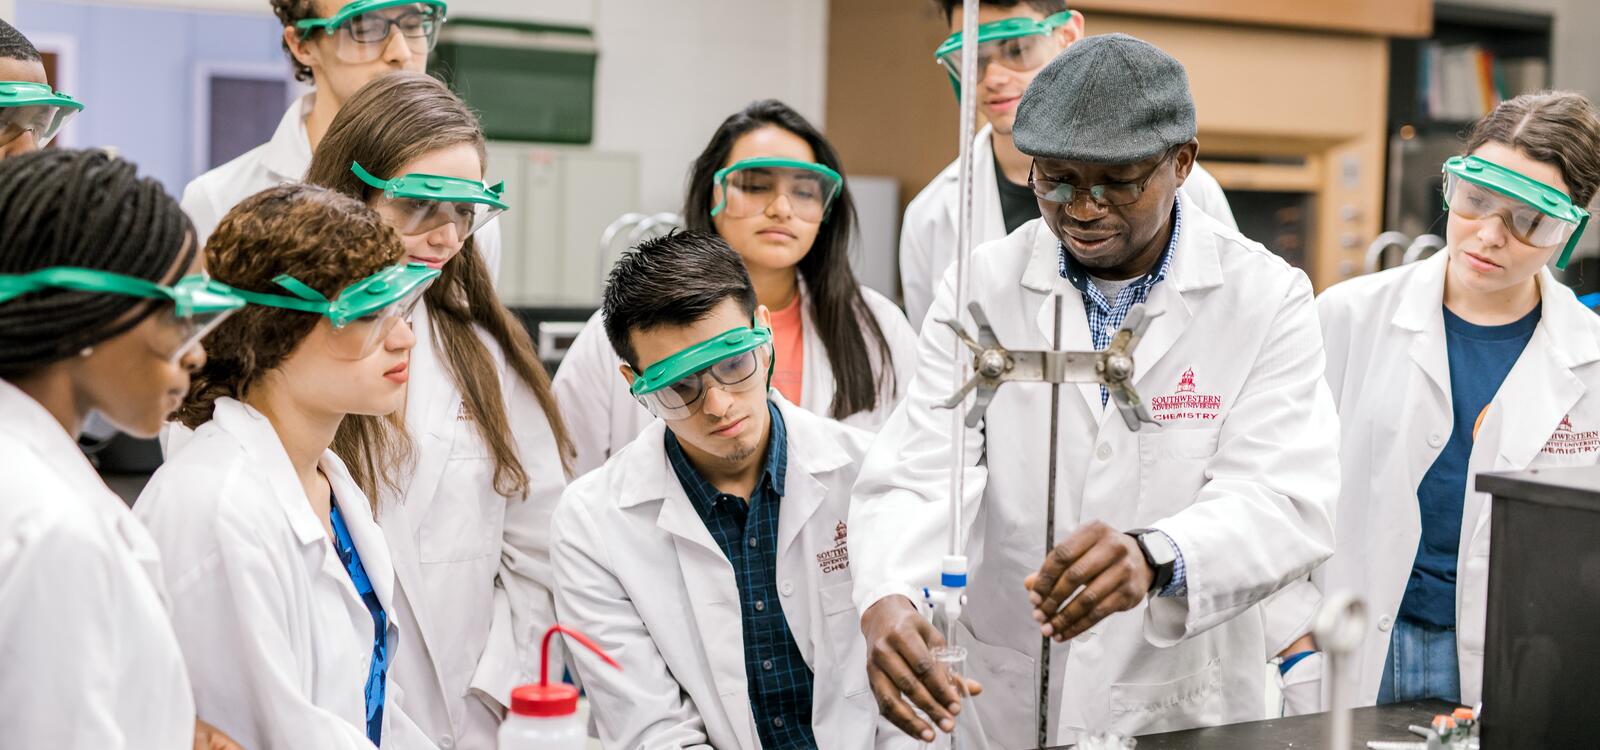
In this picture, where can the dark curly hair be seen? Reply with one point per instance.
(291, 12)
(327, 240)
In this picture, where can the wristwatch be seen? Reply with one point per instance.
(1159, 554)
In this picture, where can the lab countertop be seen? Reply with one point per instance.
(1304, 732)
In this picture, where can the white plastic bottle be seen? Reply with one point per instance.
(545, 716)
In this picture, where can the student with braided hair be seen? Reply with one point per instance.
(95, 315)
(31, 113)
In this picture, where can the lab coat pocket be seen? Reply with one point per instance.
(1172, 469)
(843, 627)
(1190, 701)
(465, 518)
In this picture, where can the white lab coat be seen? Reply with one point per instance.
(283, 159)
(1243, 478)
(474, 565)
(89, 658)
(638, 572)
(1390, 374)
(928, 232)
(603, 417)
(278, 641)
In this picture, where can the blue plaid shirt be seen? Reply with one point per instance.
(780, 682)
(1106, 316)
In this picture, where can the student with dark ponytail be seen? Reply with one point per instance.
(98, 312)
(467, 519)
(773, 187)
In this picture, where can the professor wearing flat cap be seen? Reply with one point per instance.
(1168, 538)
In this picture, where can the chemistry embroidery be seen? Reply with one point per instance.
(837, 558)
(1185, 402)
(1566, 441)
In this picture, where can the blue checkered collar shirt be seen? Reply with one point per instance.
(1105, 316)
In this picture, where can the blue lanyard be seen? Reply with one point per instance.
(377, 676)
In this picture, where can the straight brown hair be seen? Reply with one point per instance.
(1555, 127)
(390, 122)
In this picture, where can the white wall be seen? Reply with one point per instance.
(670, 72)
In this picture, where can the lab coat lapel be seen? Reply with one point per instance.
(713, 597)
(988, 221)
(261, 442)
(364, 532)
(1042, 276)
(1543, 382)
(809, 456)
(1420, 312)
(288, 155)
(432, 408)
(1196, 268)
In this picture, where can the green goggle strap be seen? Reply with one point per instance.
(30, 94)
(1008, 28)
(1545, 198)
(429, 187)
(308, 25)
(700, 356)
(775, 161)
(192, 295)
(372, 293)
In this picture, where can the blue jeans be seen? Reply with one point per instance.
(1421, 664)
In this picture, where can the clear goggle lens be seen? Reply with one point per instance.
(1020, 54)
(359, 338)
(748, 192)
(419, 216)
(683, 398)
(44, 121)
(181, 335)
(363, 38)
(1528, 224)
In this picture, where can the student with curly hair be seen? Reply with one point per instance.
(281, 588)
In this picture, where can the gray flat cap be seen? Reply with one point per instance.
(1109, 99)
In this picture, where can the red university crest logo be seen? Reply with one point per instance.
(1569, 441)
(1186, 402)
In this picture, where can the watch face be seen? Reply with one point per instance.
(1159, 547)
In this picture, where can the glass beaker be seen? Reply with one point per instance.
(951, 661)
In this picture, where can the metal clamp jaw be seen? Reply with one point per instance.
(993, 364)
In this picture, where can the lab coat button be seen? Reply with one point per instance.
(1435, 441)
(446, 742)
(786, 588)
(1103, 452)
(1384, 623)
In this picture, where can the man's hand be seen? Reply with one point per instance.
(1105, 563)
(207, 737)
(900, 665)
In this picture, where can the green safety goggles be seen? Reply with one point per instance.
(198, 304)
(673, 387)
(27, 107)
(751, 185)
(1533, 212)
(1018, 44)
(363, 314)
(420, 203)
(361, 28)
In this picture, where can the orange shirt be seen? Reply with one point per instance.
(788, 344)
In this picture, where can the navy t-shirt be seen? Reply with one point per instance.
(1480, 359)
